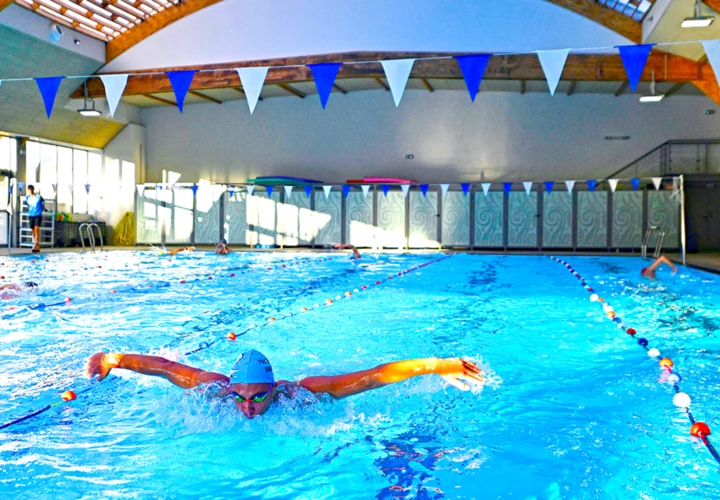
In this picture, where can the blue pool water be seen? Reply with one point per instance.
(573, 407)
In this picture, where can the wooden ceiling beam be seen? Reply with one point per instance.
(5, 3)
(674, 89)
(571, 88)
(713, 4)
(579, 67)
(382, 84)
(293, 91)
(339, 89)
(708, 84)
(427, 85)
(152, 25)
(622, 88)
(238, 89)
(522, 87)
(605, 16)
(203, 96)
(160, 99)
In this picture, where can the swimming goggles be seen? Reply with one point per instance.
(257, 398)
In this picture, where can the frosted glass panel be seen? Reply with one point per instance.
(360, 230)
(627, 219)
(489, 219)
(391, 220)
(182, 216)
(326, 219)
(262, 211)
(423, 220)
(592, 219)
(557, 219)
(663, 211)
(147, 222)
(291, 216)
(236, 227)
(456, 219)
(207, 214)
(522, 220)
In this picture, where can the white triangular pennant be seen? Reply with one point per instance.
(657, 181)
(444, 188)
(712, 50)
(288, 191)
(570, 185)
(365, 190)
(613, 184)
(114, 88)
(252, 80)
(528, 186)
(553, 62)
(405, 188)
(172, 178)
(327, 191)
(250, 190)
(485, 187)
(397, 72)
(140, 189)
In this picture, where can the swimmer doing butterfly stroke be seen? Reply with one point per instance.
(252, 383)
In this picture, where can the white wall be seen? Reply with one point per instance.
(501, 136)
(242, 30)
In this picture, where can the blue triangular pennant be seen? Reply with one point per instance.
(465, 188)
(385, 189)
(548, 186)
(324, 75)
(346, 190)
(87, 188)
(634, 58)
(473, 69)
(424, 189)
(507, 186)
(635, 183)
(269, 190)
(591, 184)
(231, 191)
(11, 188)
(180, 81)
(21, 186)
(194, 190)
(48, 89)
(308, 190)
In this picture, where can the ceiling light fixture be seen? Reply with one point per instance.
(653, 97)
(86, 111)
(698, 20)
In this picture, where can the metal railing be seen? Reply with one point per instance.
(646, 241)
(91, 237)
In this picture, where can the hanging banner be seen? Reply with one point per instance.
(635, 183)
(613, 184)
(140, 189)
(114, 88)
(252, 80)
(269, 190)
(444, 189)
(346, 190)
(87, 188)
(527, 186)
(473, 68)
(10, 187)
(327, 191)
(288, 191)
(486, 187)
(21, 186)
(48, 90)
(324, 75)
(657, 181)
(507, 186)
(194, 188)
(569, 185)
(634, 58)
(231, 191)
(180, 81)
(712, 50)
(466, 188)
(54, 187)
(549, 186)
(397, 72)
(424, 189)
(405, 188)
(308, 190)
(250, 190)
(553, 63)
(365, 190)
(385, 189)
(591, 185)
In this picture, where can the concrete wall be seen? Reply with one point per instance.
(502, 136)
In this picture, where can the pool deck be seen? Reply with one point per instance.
(706, 261)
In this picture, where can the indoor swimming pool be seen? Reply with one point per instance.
(572, 406)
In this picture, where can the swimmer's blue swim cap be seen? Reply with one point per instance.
(252, 367)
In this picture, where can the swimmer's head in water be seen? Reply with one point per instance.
(29, 284)
(252, 382)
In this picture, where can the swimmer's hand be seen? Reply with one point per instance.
(456, 370)
(100, 364)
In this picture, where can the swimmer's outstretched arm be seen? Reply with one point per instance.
(662, 260)
(187, 377)
(454, 370)
(354, 249)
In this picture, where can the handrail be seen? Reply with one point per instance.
(82, 239)
(91, 236)
(646, 241)
(102, 246)
(665, 144)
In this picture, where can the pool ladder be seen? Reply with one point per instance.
(91, 237)
(646, 240)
